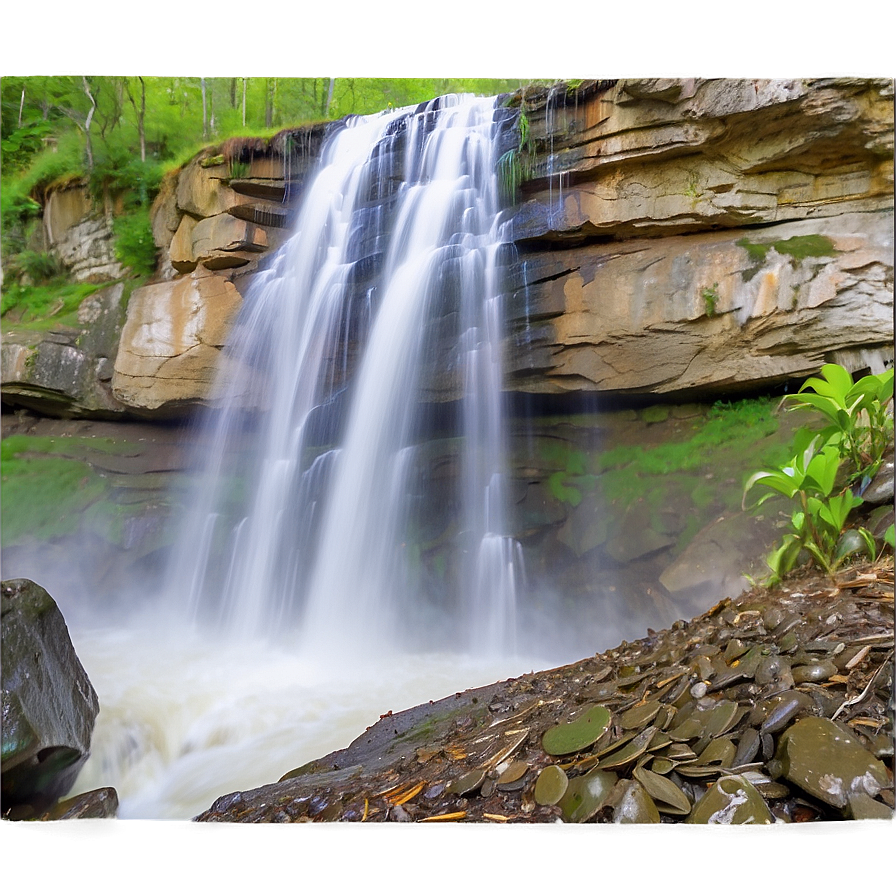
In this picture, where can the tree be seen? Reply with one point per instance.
(140, 113)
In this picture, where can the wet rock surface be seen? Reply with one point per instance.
(707, 723)
(49, 705)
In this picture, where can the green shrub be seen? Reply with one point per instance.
(860, 427)
(134, 244)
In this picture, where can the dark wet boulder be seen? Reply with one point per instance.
(49, 705)
(100, 803)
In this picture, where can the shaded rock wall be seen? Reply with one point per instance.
(81, 234)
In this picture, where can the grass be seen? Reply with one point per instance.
(47, 303)
(46, 497)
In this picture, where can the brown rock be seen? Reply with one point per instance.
(170, 344)
(180, 252)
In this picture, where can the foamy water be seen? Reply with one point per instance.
(183, 721)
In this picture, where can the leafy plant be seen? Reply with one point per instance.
(711, 299)
(859, 414)
(134, 244)
(858, 433)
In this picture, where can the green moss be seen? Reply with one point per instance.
(756, 251)
(46, 497)
(799, 248)
(656, 413)
(630, 471)
(563, 456)
(568, 494)
(61, 446)
(811, 246)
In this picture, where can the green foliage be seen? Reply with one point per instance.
(32, 267)
(711, 299)
(32, 304)
(860, 427)
(859, 415)
(20, 147)
(134, 244)
(238, 169)
(117, 171)
(799, 248)
(517, 164)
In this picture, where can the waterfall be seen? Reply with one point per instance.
(377, 324)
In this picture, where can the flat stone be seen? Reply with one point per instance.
(829, 763)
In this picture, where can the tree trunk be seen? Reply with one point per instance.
(21, 107)
(87, 124)
(140, 113)
(141, 120)
(245, 80)
(329, 98)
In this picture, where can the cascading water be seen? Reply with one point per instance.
(359, 427)
(392, 272)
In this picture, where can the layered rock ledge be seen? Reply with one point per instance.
(672, 237)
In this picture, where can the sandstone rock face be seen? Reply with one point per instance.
(170, 344)
(705, 313)
(81, 236)
(66, 371)
(674, 237)
(769, 211)
(49, 705)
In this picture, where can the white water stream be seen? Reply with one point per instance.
(185, 719)
(296, 612)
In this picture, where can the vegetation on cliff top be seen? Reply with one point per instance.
(119, 135)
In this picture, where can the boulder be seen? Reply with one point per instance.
(66, 371)
(180, 250)
(201, 190)
(224, 241)
(49, 705)
(170, 348)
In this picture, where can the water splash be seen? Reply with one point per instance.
(384, 305)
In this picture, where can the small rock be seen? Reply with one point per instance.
(101, 803)
(733, 800)
(636, 806)
(828, 763)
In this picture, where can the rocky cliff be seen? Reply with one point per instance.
(673, 237)
(691, 236)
